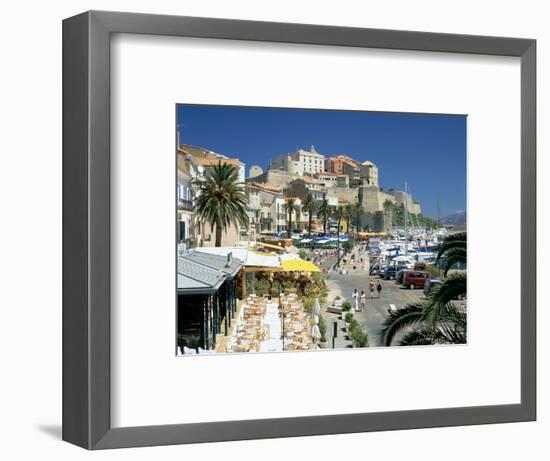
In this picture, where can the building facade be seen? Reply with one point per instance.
(255, 170)
(203, 160)
(187, 172)
(266, 207)
(300, 162)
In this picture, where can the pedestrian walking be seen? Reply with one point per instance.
(371, 288)
(355, 297)
(363, 301)
(379, 288)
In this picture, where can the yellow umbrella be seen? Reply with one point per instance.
(299, 265)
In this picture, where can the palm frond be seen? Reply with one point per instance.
(456, 240)
(454, 286)
(452, 257)
(399, 319)
(455, 314)
(449, 334)
(222, 198)
(441, 334)
(421, 336)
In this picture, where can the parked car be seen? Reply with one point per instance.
(415, 279)
(399, 276)
(374, 270)
(391, 271)
(430, 285)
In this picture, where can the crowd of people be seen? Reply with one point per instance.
(327, 260)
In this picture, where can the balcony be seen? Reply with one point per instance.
(185, 205)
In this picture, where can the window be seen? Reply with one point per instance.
(181, 231)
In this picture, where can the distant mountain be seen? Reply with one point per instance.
(455, 219)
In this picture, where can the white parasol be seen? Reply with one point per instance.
(316, 307)
(315, 332)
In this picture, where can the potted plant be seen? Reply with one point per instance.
(323, 330)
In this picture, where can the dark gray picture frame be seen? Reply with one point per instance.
(86, 229)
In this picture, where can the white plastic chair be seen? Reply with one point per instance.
(188, 350)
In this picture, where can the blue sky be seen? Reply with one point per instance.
(426, 150)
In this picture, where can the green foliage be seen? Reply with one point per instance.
(324, 211)
(290, 207)
(303, 254)
(348, 317)
(358, 336)
(308, 304)
(310, 206)
(221, 201)
(433, 270)
(453, 251)
(319, 279)
(347, 246)
(261, 286)
(398, 216)
(346, 305)
(425, 221)
(437, 319)
(323, 328)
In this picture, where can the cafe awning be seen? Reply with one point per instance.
(299, 265)
(270, 245)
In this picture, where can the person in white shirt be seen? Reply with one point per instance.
(355, 297)
(363, 301)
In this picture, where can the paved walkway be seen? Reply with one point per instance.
(376, 308)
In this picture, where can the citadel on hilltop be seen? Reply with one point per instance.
(340, 180)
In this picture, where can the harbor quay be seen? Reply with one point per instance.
(310, 254)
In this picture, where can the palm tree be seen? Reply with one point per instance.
(357, 210)
(339, 213)
(324, 211)
(309, 205)
(290, 206)
(349, 212)
(437, 319)
(453, 251)
(222, 200)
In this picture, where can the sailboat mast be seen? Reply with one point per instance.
(405, 215)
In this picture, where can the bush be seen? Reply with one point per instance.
(302, 253)
(261, 286)
(346, 305)
(349, 318)
(319, 280)
(433, 270)
(359, 337)
(323, 328)
(308, 305)
(347, 246)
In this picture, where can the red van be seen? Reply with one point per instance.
(415, 279)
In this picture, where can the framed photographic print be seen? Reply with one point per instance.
(275, 230)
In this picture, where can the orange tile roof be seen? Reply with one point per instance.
(265, 186)
(212, 161)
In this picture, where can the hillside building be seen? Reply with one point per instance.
(300, 162)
